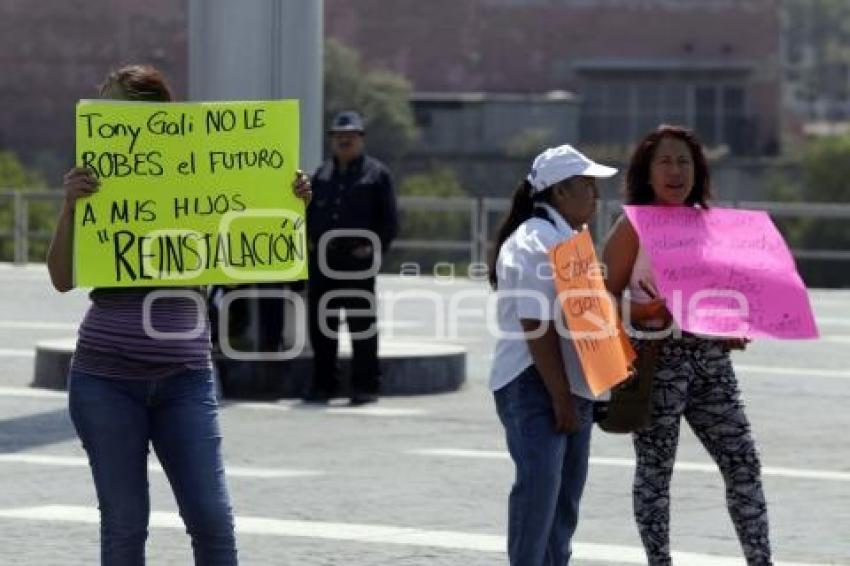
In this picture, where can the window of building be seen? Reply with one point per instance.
(617, 112)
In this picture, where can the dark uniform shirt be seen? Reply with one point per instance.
(360, 198)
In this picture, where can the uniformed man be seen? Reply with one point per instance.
(354, 193)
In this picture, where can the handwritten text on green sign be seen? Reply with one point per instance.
(190, 194)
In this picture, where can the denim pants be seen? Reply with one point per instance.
(551, 469)
(116, 421)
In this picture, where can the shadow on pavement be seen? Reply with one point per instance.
(22, 433)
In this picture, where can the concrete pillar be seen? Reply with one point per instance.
(261, 50)
(258, 50)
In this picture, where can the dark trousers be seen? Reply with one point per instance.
(354, 296)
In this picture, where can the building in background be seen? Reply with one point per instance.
(816, 64)
(470, 123)
(56, 53)
(627, 64)
(488, 137)
(711, 64)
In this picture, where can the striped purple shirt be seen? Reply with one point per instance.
(113, 340)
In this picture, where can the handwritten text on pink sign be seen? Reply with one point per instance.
(724, 272)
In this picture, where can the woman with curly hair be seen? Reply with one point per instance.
(694, 378)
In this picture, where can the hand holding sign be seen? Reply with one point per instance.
(301, 187)
(656, 308)
(78, 183)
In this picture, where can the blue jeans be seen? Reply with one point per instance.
(551, 469)
(116, 421)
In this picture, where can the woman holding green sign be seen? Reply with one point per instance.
(134, 383)
(693, 377)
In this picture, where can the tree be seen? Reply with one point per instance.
(428, 225)
(816, 35)
(439, 182)
(14, 175)
(826, 170)
(528, 143)
(382, 97)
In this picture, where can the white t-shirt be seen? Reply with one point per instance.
(526, 289)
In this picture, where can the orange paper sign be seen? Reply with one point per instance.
(595, 329)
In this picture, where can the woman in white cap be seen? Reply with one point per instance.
(541, 394)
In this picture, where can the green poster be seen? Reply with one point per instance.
(190, 194)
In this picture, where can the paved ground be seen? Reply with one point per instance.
(423, 481)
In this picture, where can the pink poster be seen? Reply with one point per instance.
(724, 272)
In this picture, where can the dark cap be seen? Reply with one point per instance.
(348, 121)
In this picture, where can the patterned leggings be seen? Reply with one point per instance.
(694, 379)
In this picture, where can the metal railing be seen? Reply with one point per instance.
(482, 215)
(463, 205)
(16, 204)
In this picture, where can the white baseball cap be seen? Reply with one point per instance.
(562, 162)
